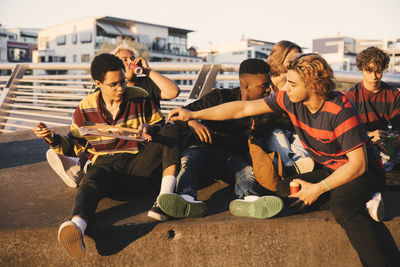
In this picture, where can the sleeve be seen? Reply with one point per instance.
(350, 94)
(276, 101)
(151, 112)
(349, 130)
(214, 98)
(395, 114)
(72, 144)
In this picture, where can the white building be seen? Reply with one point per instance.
(235, 53)
(17, 44)
(77, 41)
(341, 52)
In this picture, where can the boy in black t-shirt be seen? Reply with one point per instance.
(333, 134)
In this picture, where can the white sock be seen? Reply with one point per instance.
(251, 198)
(168, 183)
(188, 198)
(81, 223)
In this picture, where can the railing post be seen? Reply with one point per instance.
(205, 82)
(210, 81)
(7, 94)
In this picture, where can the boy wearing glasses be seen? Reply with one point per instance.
(332, 132)
(115, 161)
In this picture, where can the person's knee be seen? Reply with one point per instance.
(344, 214)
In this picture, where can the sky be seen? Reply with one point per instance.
(223, 21)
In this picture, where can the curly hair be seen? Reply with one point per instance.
(314, 71)
(103, 63)
(278, 55)
(379, 58)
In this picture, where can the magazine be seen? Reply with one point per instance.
(98, 129)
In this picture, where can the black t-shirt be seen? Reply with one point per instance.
(147, 84)
(231, 134)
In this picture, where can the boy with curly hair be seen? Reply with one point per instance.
(378, 104)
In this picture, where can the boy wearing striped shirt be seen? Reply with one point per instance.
(115, 161)
(332, 132)
(378, 103)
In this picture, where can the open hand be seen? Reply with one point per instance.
(179, 114)
(201, 130)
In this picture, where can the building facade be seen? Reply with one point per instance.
(17, 45)
(78, 41)
(341, 52)
(235, 53)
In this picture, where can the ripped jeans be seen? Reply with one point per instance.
(206, 163)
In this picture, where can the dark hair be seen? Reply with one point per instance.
(278, 56)
(314, 71)
(373, 55)
(253, 66)
(103, 63)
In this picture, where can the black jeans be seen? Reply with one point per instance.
(110, 173)
(372, 240)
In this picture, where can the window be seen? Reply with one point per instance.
(60, 40)
(74, 58)
(85, 37)
(249, 54)
(42, 59)
(85, 58)
(177, 45)
(74, 38)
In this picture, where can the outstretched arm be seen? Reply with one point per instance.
(226, 111)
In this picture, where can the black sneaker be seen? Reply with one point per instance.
(156, 213)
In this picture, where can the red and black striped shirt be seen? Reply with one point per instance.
(334, 130)
(376, 109)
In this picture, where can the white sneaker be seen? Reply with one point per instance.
(66, 167)
(376, 207)
(71, 238)
(304, 165)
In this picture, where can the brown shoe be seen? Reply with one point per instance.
(71, 238)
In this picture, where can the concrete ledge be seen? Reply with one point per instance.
(34, 202)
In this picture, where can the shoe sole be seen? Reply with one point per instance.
(157, 216)
(263, 208)
(57, 165)
(70, 238)
(175, 206)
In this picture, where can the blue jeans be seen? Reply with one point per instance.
(208, 162)
(389, 162)
(290, 151)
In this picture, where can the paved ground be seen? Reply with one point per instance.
(34, 202)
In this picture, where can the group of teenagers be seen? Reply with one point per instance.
(333, 144)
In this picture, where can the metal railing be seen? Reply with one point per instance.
(28, 95)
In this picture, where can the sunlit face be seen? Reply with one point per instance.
(113, 86)
(253, 86)
(126, 56)
(296, 88)
(371, 76)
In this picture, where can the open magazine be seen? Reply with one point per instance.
(98, 129)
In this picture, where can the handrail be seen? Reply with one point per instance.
(33, 95)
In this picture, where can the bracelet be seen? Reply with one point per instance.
(330, 189)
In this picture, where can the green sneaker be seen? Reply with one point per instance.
(262, 208)
(178, 207)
